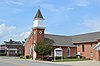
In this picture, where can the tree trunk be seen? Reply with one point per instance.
(43, 57)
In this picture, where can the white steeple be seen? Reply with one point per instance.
(38, 20)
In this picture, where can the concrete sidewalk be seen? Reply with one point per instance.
(71, 63)
(81, 63)
(75, 63)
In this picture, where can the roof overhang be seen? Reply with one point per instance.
(97, 47)
(58, 49)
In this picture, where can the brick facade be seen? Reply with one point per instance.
(89, 52)
(65, 51)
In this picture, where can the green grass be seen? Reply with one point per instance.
(69, 60)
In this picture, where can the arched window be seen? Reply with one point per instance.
(31, 50)
(68, 50)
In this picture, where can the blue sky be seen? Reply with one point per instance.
(62, 17)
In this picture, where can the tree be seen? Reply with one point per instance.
(43, 49)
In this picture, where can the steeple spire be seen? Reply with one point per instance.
(38, 15)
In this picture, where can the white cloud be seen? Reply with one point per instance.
(6, 32)
(83, 2)
(21, 36)
(13, 2)
(4, 28)
(70, 8)
(93, 24)
(24, 34)
(86, 2)
(18, 37)
(23, 2)
(2, 20)
(54, 8)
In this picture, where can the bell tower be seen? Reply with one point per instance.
(38, 27)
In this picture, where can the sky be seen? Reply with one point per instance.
(62, 17)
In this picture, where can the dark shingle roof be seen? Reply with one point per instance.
(38, 14)
(69, 40)
(29, 37)
(13, 42)
(88, 37)
(60, 40)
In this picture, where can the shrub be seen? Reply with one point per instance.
(3, 54)
(21, 56)
(59, 57)
(49, 59)
(18, 55)
(72, 57)
(28, 56)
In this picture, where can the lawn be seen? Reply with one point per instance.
(69, 60)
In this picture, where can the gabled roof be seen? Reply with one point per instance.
(88, 37)
(12, 42)
(69, 40)
(38, 15)
(60, 40)
(28, 39)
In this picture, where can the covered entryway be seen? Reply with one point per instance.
(97, 48)
(99, 55)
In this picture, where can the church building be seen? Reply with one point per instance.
(86, 45)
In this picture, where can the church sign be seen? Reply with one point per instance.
(58, 52)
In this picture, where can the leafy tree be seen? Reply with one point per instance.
(43, 49)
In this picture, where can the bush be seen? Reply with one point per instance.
(19, 55)
(73, 57)
(22, 57)
(28, 56)
(3, 54)
(59, 57)
(49, 59)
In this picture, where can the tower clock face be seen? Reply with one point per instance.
(34, 32)
(40, 32)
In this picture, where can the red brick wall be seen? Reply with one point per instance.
(73, 51)
(37, 37)
(87, 50)
(27, 46)
(98, 55)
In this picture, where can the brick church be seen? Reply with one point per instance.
(86, 45)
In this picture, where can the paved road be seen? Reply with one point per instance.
(10, 61)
